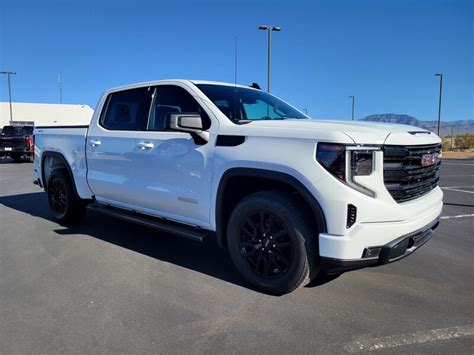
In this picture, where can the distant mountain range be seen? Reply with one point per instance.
(459, 127)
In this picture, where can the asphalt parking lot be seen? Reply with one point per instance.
(113, 287)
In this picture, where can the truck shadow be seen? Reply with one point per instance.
(206, 257)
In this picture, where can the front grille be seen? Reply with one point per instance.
(404, 176)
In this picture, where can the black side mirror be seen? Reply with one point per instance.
(191, 123)
(186, 122)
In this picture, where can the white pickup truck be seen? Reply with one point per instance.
(288, 196)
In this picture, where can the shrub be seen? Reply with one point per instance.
(464, 141)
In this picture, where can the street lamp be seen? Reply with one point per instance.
(8, 73)
(439, 99)
(269, 29)
(353, 102)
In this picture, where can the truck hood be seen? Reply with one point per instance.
(360, 132)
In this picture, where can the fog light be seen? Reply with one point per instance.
(371, 252)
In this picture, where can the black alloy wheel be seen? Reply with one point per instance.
(265, 244)
(63, 201)
(57, 196)
(272, 242)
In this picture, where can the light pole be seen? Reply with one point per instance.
(353, 103)
(439, 100)
(452, 138)
(8, 73)
(269, 29)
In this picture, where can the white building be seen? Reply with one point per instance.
(45, 114)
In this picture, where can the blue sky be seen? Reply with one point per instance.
(384, 52)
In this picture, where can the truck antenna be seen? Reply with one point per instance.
(235, 79)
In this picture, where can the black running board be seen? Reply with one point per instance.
(182, 230)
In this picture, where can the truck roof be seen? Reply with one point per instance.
(171, 81)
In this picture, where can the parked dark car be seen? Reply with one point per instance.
(17, 142)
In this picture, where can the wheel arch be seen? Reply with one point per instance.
(57, 161)
(227, 198)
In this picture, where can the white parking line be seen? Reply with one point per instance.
(409, 339)
(458, 190)
(458, 216)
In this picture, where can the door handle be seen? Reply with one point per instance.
(145, 145)
(95, 142)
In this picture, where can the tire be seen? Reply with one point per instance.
(66, 206)
(272, 242)
(31, 158)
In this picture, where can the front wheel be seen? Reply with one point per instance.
(66, 206)
(272, 242)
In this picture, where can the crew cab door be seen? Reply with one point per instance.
(111, 141)
(141, 165)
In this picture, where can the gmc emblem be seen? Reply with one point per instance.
(429, 159)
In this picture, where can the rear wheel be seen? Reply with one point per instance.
(66, 206)
(272, 242)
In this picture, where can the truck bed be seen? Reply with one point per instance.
(69, 141)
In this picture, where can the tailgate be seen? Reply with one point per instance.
(12, 141)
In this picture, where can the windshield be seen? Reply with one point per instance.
(242, 104)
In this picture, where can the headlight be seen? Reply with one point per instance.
(333, 158)
(347, 161)
(362, 162)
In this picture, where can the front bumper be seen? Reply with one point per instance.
(399, 220)
(390, 252)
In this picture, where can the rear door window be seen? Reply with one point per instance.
(128, 110)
